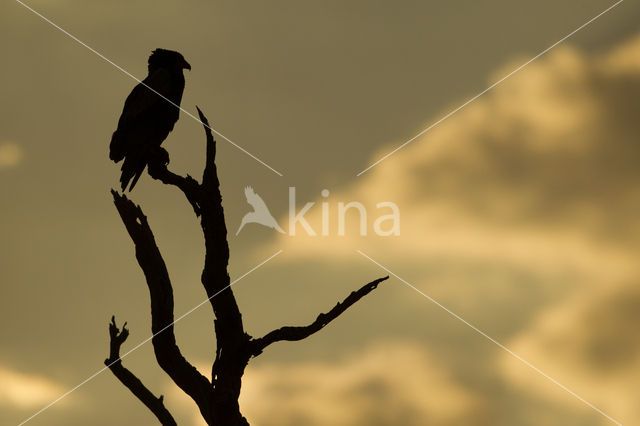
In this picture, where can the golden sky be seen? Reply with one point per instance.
(519, 213)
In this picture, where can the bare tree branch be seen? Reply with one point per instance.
(217, 399)
(127, 378)
(157, 169)
(214, 275)
(167, 352)
(231, 352)
(292, 333)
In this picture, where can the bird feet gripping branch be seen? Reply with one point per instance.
(157, 163)
(158, 160)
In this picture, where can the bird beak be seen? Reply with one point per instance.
(186, 65)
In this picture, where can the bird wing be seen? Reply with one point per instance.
(254, 199)
(142, 99)
(140, 107)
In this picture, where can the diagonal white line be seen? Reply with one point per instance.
(500, 345)
(490, 87)
(88, 379)
(147, 86)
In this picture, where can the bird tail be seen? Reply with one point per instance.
(132, 169)
(135, 179)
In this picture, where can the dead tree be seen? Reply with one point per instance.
(217, 396)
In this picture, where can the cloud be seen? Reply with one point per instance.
(11, 155)
(540, 171)
(386, 384)
(26, 390)
(590, 343)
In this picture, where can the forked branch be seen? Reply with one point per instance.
(167, 352)
(127, 378)
(217, 399)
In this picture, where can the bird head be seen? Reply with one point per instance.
(163, 58)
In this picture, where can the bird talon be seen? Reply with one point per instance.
(161, 156)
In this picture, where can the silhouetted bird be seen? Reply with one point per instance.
(260, 213)
(147, 118)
